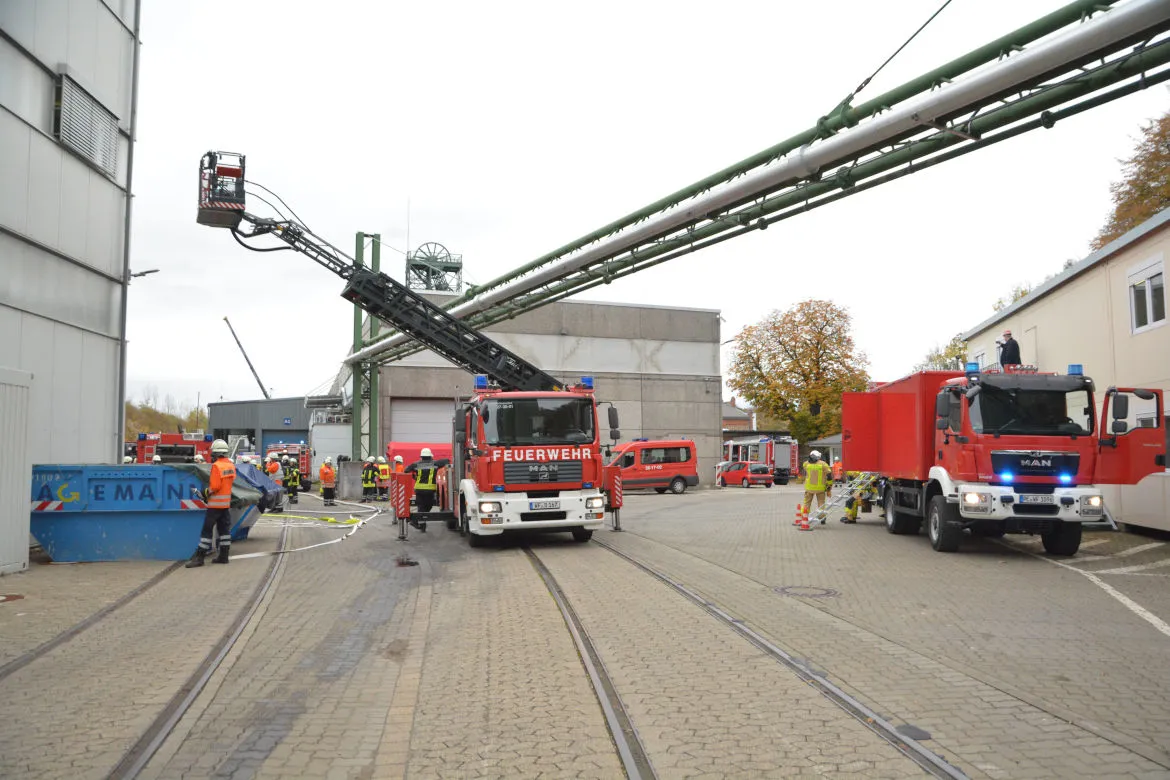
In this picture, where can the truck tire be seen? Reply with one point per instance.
(582, 534)
(475, 540)
(944, 536)
(678, 486)
(1065, 539)
(896, 522)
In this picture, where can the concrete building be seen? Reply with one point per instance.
(263, 421)
(659, 366)
(68, 87)
(1108, 313)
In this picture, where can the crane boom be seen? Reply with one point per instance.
(246, 358)
(222, 204)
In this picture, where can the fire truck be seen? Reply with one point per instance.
(173, 447)
(526, 447)
(304, 455)
(995, 452)
(780, 453)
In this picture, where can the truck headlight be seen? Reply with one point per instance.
(1092, 505)
(977, 502)
(490, 507)
(595, 502)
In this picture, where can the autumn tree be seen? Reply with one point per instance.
(951, 356)
(1019, 291)
(1145, 187)
(794, 365)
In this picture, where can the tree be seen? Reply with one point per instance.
(1145, 188)
(794, 365)
(952, 356)
(1019, 291)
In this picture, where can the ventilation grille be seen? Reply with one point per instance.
(85, 126)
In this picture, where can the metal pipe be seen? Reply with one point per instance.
(120, 413)
(246, 358)
(1119, 24)
(837, 119)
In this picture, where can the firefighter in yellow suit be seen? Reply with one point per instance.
(817, 484)
(862, 498)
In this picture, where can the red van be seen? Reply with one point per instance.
(662, 465)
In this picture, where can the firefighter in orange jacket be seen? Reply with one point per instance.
(399, 466)
(328, 481)
(219, 502)
(273, 469)
(383, 479)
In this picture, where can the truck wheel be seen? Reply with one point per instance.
(896, 522)
(452, 523)
(582, 534)
(475, 540)
(678, 486)
(944, 537)
(1065, 539)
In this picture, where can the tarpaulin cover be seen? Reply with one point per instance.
(243, 492)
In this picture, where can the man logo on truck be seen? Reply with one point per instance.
(1036, 462)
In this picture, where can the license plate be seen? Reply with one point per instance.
(1034, 498)
(544, 504)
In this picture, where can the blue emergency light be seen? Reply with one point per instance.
(208, 437)
(587, 485)
(1076, 369)
(972, 368)
(587, 382)
(481, 382)
(1007, 476)
(142, 437)
(498, 488)
(641, 440)
(1065, 478)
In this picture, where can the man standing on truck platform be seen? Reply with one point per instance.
(1009, 350)
(219, 502)
(426, 473)
(817, 484)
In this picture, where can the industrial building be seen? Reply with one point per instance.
(67, 120)
(1108, 314)
(264, 422)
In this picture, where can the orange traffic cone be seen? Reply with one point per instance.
(799, 509)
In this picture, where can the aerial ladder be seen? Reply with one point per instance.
(222, 204)
(247, 359)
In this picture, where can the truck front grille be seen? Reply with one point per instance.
(529, 472)
(528, 517)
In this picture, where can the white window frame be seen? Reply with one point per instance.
(1144, 271)
(980, 357)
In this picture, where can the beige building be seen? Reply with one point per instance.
(1107, 313)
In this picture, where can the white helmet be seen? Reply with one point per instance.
(198, 458)
(397, 458)
(814, 455)
(329, 461)
(381, 459)
(219, 445)
(127, 459)
(156, 459)
(426, 453)
(370, 459)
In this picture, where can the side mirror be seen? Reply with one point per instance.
(942, 405)
(941, 423)
(1119, 426)
(615, 434)
(1145, 395)
(485, 415)
(1120, 406)
(973, 391)
(613, 418)
(460, 437)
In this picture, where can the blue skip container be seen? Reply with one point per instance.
(112, 513)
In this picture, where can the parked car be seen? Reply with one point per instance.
(746, 474)
(661, 465)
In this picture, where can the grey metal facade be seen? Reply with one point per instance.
(253, 418)
(65, 169)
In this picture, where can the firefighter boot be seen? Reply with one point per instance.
(221, 556)
(196, 560)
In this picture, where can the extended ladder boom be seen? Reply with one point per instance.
(246, 358)
(221, 204)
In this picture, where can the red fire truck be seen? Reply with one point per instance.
(304, 455)
(173, 447)
(780, 453)
(1000, 452)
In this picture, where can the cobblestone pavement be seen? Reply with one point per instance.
(77, 710)
(704, 701)
(1017, 667)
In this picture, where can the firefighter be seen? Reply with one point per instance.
(838, 470)
(219, 501)
(399, 466)
(156, 460)
(127, 459)
(273, 469)
(816, 485)
(383, 479)
(369, 480)
(292, 478)
(198, 458)
(862, 498)
(426, 471)
(328, 479)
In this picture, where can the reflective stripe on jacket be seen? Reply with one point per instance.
(383, 472)
(223, 474)
(328, 477)
(816, 476)
(368, 475)
(424, 478)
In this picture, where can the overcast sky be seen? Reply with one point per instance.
(513, 128)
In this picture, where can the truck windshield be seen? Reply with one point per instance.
(528, 421)
(1032, 412)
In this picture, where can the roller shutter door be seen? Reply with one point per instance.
(417, 419)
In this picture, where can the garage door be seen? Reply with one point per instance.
(417, 419)
(281, 436)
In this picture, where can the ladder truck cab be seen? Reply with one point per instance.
(528, 461)
(995, 452)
